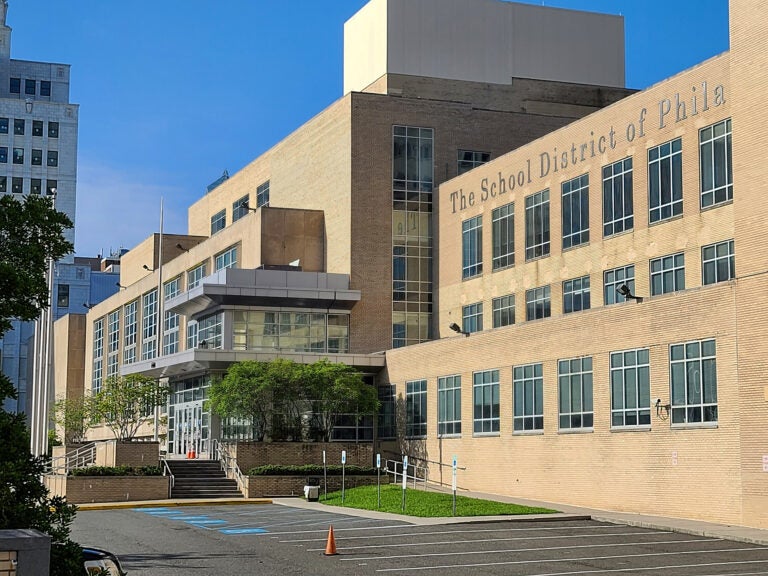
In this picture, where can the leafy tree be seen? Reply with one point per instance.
(124, 403)
(31, 233)
(72, 415)
(245, 392)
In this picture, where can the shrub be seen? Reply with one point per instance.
(117, 471)
(310, 470)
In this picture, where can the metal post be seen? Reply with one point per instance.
(160, 318)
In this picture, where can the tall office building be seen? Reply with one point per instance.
(38, 155)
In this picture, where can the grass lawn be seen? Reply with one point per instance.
(425, 504)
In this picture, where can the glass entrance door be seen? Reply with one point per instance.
(190, 430)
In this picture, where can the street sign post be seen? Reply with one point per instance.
(343, 465)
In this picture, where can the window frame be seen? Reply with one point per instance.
(710, 140)
(635, 363)
(472, 247)
(528, 415)
(416, 408)
(577, 289)
(729, 258)
(665, 204)
(449, 406)
(503, 237)
(472, 318)
(580, 416)
(503, 310)
(697, 358)
(669, 274)
(239, 208)
(541, 296)
(575, 212)
(610, 287)
(225, 259)
(472, 159)
(219, 221)
(537, 225)
(486, 412)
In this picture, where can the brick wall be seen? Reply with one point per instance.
(114, 453)
(272, 486)
(252, 454)
(82, 489)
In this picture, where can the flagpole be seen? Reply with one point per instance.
(160, 314)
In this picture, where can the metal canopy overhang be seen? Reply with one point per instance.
(193, 361)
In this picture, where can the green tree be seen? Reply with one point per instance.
(72, 415)
(245, 393)
(125, 402)
(31, 233)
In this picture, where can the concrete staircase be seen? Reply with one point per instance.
(201, 479)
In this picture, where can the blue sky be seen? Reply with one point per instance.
(173, 92)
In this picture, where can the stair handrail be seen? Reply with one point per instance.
(80, 457)
(168, 472)
(229, 465)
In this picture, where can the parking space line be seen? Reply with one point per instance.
(617, 570)
(581, 559)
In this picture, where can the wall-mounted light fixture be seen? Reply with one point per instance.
(456, 328)
(148, 269)
(86, 305)
(180, 247)
(247, 206)
(29, 105)
(119, 285)
(627, 293)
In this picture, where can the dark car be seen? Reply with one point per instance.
(98, 561)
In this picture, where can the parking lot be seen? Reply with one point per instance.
(285, 540)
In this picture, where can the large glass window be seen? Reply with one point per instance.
(485, 393)
(218, 221)
(618, 211)
(113, 342)
(472, 247)
(290, 331)
(613, 279)
(718, 262)
(226, 259)
(576, 295)
(575, 389)
(668, 274)
(665, 180)
(262, 194)
(171, 289)
(449, 405)
(469, 159)
(693, 380)
(503, 236)
(537, 225)
(472, 317)
(149, 326)
(416, 408)
(412, 160)
(239, 208)
(195, 275)
(503, 311)
(630, 388)
(716, 163)
(209, 331)
(576, 211)
(528, 396)
(538, 303)
(129, 342)
(98, 353)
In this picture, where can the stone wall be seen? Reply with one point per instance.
(82, 489)
(272, 486)
(114, 453)
(252, 454)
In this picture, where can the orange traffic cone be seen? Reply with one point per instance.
(330, 546)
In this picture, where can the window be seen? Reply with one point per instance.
(171, 289)
(262, 195)
(618, 210)
(36, 186)
(472, 318)
(469, 159)
(716, 164)
(53, 158)
(416, 408)
(503, 311)
(665, 180)
(18, 126)
(195, 275)
(226, 259)
(3, 183)
(387, 414)
(472, 247)
(149, 326)
(667, 274)
(537, 225)
(613, 279)
(3, 125)
(218, 221)
(51, 186)
(538, 303)
(503, 236)
(53, 129)
(45, 87)
(528, 395)
(62, 296)
(290, 331)
(239, 208)
(129, 342)
(98, 352)
(30, 87)
(576, 211)
(18, 155)
(576, 295)
(37, 127)
(113, 341)
(17, 185)
(449, 405)
(485, 393)
(37, 157)
(209, 331)
(15, 87)
(191, 334)
(4, 154)
(412, 160)
(718, 262)
(693, 379)
(575, 388)
(630, 388)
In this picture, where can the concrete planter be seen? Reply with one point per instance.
(252, 454)
(273, 486)
(85, 489)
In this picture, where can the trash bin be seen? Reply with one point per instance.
(312, 493)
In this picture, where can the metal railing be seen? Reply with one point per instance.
(167, 472)
(80, 458)
(395, 467)
(229, 465)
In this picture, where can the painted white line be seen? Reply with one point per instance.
(507, 550)
(615, 570)
(325, 531)
(579, 559)
(515, 539)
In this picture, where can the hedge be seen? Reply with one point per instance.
(117, 471)
(310, 470)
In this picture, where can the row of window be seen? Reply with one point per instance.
(665, 201)
(19, 185)
(31, 87)
(240, 208)
(35, 158)
(667, 274)
(693, 393)
(20, 127)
